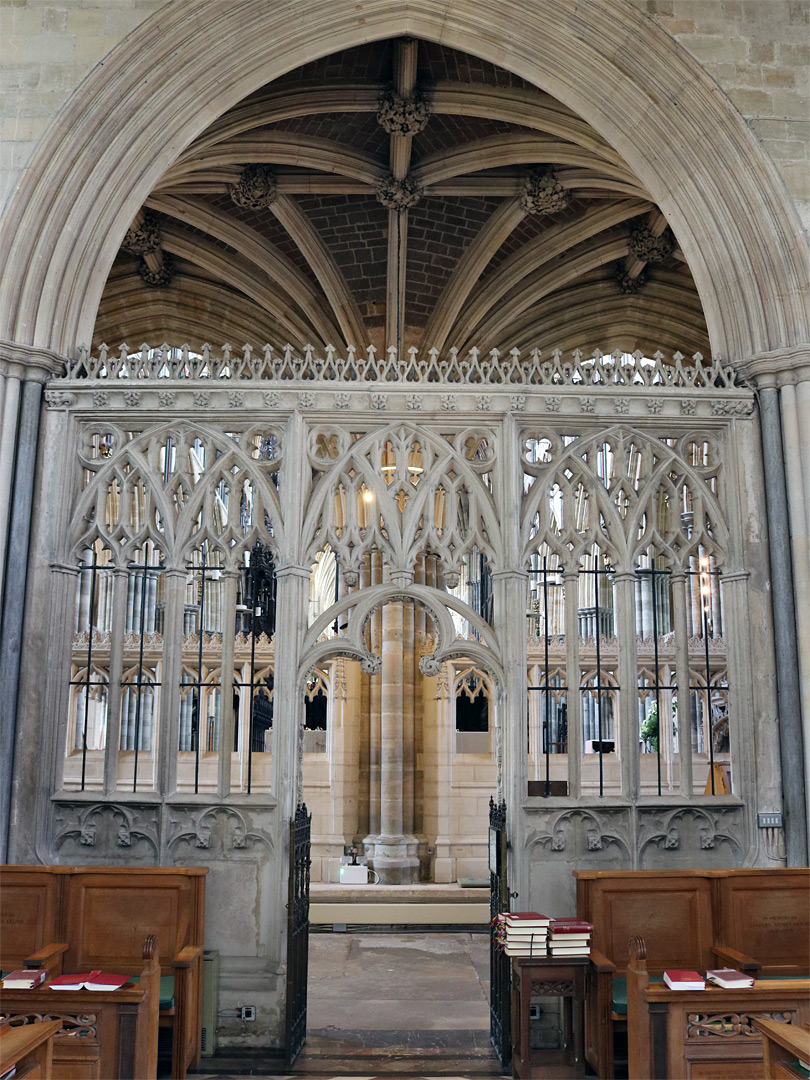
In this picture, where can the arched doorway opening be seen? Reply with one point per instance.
(64, 244)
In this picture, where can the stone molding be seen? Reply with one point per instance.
(27, 362)
(779, 366)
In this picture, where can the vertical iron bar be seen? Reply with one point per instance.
(708, 690)
(89, 661)
(199, 679)
(139, 680)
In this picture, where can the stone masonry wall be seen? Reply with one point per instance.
(759, 53)
(48, 48)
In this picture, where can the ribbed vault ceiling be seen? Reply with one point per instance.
(499, 219)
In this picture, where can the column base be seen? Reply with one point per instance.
(395, 859)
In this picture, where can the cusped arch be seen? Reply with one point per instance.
(406, 537)
(360, 605)
(737, 225)
(178, 533)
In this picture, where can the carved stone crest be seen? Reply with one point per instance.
(543, 193)
(398, 194)
(256, 188)
(400, 115)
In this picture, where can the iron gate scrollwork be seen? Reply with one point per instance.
(298, 934)
(500, 996)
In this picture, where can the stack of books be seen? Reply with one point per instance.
(569, 937)
(523, 933)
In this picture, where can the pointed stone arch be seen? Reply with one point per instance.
(736, 224)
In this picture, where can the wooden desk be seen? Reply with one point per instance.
(703, 1034)
(30, 1048)
(782, 1044)
(549, 976)
(99, 1034)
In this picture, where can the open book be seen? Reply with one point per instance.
(90, 980)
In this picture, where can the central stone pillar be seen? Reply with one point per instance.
(395, 852)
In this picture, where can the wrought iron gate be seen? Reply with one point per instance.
(297, 934)
(500, 1001)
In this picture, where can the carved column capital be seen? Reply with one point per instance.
(30, 363)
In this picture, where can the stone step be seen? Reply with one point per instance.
(398, 905)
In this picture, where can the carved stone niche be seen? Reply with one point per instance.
(690, 836)
(105, 833)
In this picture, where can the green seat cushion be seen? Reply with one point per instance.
(166, 990)
(620, 992)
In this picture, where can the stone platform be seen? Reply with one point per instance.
(398, 905)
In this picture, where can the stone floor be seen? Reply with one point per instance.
(411, 1005)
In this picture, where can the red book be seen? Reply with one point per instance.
(678, 979)
(518, 918)
(24, 978)
(571, 926)
(90, 980)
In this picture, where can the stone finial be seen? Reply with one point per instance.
(142, 237)
(402, 116)
(160, 278)
(543, 193)
(647, 247)
(627, 284)
(398, 194)
(256, 188)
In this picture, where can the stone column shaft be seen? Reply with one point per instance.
(573, 696)
(391, 724)
(787, 657)
(14, 598)
(120, 591)
(8, 446)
